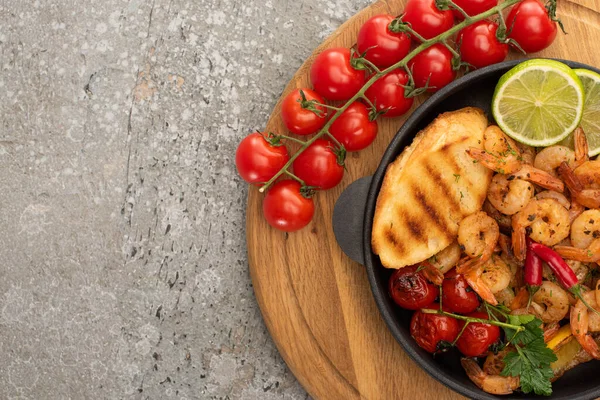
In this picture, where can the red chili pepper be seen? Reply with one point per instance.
(563, 272)
(533, 271)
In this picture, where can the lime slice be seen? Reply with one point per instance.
(539, 102)
(591, 108)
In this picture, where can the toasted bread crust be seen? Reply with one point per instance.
(429, 189)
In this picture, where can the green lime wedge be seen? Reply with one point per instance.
(591, 108)
(539, 102)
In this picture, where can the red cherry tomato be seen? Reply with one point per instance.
(353, 128)
(434, 65)
(477, 337)
(429, 330)
(479, 45)
(303, 121)
(410, 290)
(426, 19)
(383, 47)
(285, 208)
(333, 77)
(473, 7)
(388, 94)
(531, 26)
(318, 165)
(257, 160)
(457, 296)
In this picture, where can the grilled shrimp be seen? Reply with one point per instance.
(550, 303)
(504, 221)
(494, 384)
(583, 322)
(496, 274)
(582, 148)
(585, 238)
(509, 196)
(478, 235)
(502, 155)
(549, 158)
(588, 174)
(584, 196)
(447, 259)
(551, 194)
(548, 220)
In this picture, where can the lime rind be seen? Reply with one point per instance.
(590, 121)
(539, 102)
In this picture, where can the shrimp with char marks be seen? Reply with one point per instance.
(585, 196)
(547, 221)
(494, 384)
(585, 238)
(550, 303)
(488, 278)
(447, 259)
(509, 196)
(502, 155)
(477, 236)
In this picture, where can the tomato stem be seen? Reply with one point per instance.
(459, 9)
(295, 178)
(292, 139)
(400, 64)
(472, 320)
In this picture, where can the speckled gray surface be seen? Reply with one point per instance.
(123, 269)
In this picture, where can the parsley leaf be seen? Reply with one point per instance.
(531, 358)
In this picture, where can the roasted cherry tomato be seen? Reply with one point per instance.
(319, 165)
(532, 28)
(477, 338)
(429, 330)
(473, 7)
(257, 160)
(426, 19)
(433, 65)
(286, 208)
(479, 45)
(388, 94)
(299, 114)
(353, 128)
(410, 290)
(457, 296)
(382, 47)
(333, 76)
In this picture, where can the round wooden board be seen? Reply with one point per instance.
(316, 302)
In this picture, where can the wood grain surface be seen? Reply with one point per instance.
(316, 302)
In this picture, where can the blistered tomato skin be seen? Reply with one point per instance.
(477, 338)
(428, 330)
(410, 290)
(457, 296)
(381, 46)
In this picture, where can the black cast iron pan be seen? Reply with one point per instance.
(353, 221)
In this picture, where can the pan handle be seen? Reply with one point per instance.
(348, 218)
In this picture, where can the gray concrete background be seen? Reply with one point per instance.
(123, 268)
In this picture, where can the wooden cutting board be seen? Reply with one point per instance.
(316, 302)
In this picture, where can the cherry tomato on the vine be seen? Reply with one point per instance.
(429, 330)
(286, 208)
(457, 296)
(383, 47)
(410, 290)
(257, 160)
(303, 120)
(333, 76)
(433, 67)
(473, 7)
(319, 165)
(426, 19)
(479, 45)
(353, 128)
(532, 27)
(477, 338)
(388, 94)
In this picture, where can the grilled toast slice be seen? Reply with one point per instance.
(429, 189)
